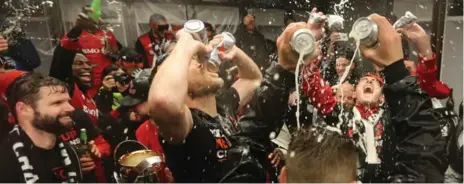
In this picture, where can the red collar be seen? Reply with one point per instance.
(367, 112)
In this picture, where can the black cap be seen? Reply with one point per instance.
(129, 54)
(138, 91)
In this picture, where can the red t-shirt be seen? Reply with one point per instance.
(79, 100)
(93, 46)
(147, 134)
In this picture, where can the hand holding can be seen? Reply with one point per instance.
(389, 50)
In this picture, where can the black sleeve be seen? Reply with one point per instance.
(82, 120)
(5, 126)
(420, 154)
(268, 106)
(228, 100)
(104, 100)
(10, 170)
(139, 49)
(191, 155)
(25, 54)
(61, 67)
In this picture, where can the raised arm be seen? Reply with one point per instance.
(249, 75)
(427, 69)
(169, 90)
(410, 112)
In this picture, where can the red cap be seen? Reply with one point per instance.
(7, 78)
(375, 76)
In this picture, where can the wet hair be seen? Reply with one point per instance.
(319, 155)
(26, 89)
(110, 69)
(156, 17)
(345, 52)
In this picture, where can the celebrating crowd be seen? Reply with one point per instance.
(102, 104)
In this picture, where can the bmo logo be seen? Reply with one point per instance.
(91, 51)
(92, 112)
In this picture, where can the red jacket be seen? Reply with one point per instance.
(152, 45)
(94, 47)
(427, 76)
(318, 91)
(147, 134)
(83, 101)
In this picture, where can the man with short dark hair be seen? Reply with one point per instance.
(319, 155)
(32, 151)
(253, 42)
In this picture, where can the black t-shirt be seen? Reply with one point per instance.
(47, 164)
(203, 157)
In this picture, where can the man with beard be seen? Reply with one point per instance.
(151, 44)
(76, 70)
(196, 125)
(32, 151)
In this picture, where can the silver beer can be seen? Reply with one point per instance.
(366, 31)
(213, 61)
(335, 23)
(227, 43)
(303, 42)
(197, 29)
(405, 20)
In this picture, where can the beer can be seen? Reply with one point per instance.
(303, 42)
(315, 18)
(335, 23)
(405, 20)
(214, 61)
(197, 29)
(366, 31)
(227, 43)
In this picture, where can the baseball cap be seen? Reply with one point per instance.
(138, 91)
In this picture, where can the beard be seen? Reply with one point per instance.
(204, 87)
(49, 124)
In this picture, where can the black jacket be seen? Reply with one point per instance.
(420, 148)
(266, 113)
(254, 45)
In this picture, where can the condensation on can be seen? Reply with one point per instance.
(366, 31)
(303, 42)
(227, 43)
(197, 29)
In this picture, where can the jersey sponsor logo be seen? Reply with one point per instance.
(91, 51)
(69, 135)
(93, 112)
(222, 145)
